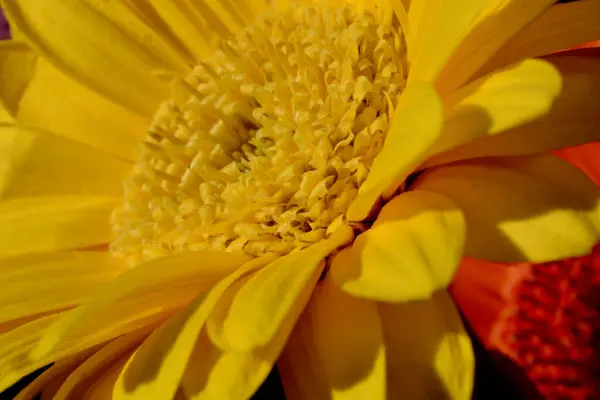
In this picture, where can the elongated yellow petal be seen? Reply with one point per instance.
(501, 20)
(529, 209)
(40, 224)
(140, 296)
(213, 373)
(101, 44)
(498, 102)
(16, 70)
(5, 117)
(49, 381)
(436, 29)
(179, 18)
(560, 27)
(102, 386)
(196, 24)
(416, 125)
(573, 120)
(40, 96)
(9, 326)
(263, 303)
(336, 350)
(80, 379)
(39, 283)
(34, 163)
(156, 369)
(412, 250)
(15, 346)
(428, 352)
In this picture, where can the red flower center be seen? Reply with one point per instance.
(553, 329)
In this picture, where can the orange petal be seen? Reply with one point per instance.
(584, 157)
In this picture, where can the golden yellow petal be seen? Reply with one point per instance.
(139, 297)
(52, 223)
(261, 305)
(34, 163)
(436, 27)
(523, 209)
(213, 373)
(101, 44)
(573, 119)
(428, 351)
(336, 350)
(495, 103)
(79, 380)
(181, 20)
(49, 381)
(40, 283)
(560, 27)
(156, 368)
(415, 127)
(102, 386)
(16, 71)
(40, 96)
(411, 251)
(499, 21)
(15, 346)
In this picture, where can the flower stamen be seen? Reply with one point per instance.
(263, 147)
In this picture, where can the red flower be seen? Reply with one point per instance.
(542, 318)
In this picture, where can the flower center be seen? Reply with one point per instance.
(265, 145)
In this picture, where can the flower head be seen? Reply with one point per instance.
(238, 185)
(542, 317)
(265, 146)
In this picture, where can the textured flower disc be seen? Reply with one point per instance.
(265, 145)
(551, 329)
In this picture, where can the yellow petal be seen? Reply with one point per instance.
(532, 209)
(38, 283)
(16, 70)
(139, 297)
(178, 18)
(573, 119)
(197, 24)
(498, 102)
(157, 367)
(101, 44)
(336, 350)
(15, 346)
(428, 352)
(101, 387)
(35, 163)
(5, 117)
(87, 372)
(263, 303)
(40, 96)
(48, 382)
(40, 224)
(412, 250)
(560, 27)
(9, 326)
(500, 21)
(213, 373)
(436, 29)
(416, 125)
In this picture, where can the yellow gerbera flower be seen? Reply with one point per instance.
(274, 210)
